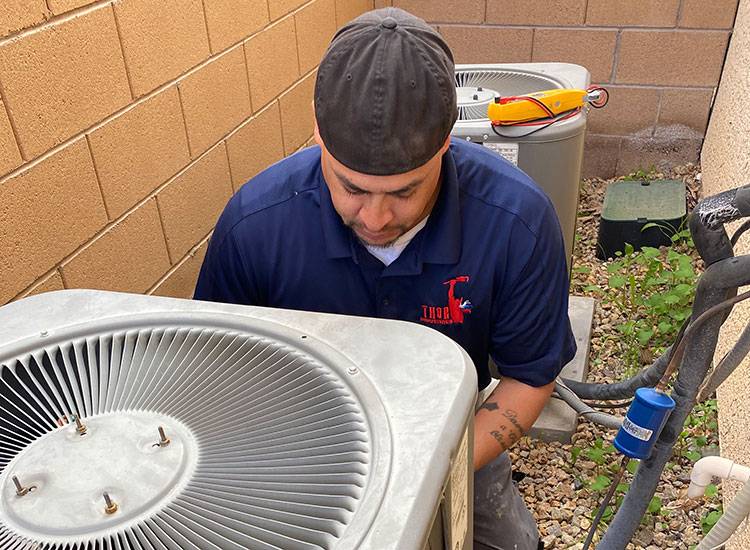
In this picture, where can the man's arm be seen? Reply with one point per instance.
(507, 414)
(531, 338)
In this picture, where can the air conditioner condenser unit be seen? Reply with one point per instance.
(137, 422)
(552, 154)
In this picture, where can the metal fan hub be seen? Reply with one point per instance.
(473, 95)
(477, 87)
(68, 473)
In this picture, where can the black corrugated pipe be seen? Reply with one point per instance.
(727, 365)
(624, 389)
(721, 278)
(713, 244)
(708, 219)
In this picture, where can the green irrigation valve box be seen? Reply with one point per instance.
(630, 206)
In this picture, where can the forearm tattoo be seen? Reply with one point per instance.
(491, 405)
(511, 415)
(499, 438)
(504, 436)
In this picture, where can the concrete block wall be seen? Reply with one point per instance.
(660, 59)
(126, 125)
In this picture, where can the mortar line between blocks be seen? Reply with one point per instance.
(122, 51)
(680, 7)
(54, 20)
(184, 122)
(13, 127)
(163, 230)
(171, 271)
(658, 112)
(38, 281)
(96, 175)
(247, 77)
(205, 26)
(229, 165)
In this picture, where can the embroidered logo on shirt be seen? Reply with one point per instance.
(454, 312)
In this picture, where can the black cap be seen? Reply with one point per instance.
(385, 96)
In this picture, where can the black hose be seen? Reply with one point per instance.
(719, 279)
(708, 218)
(727, 365)
(604, 405)
(625, 389)
(740, 230)
(724, 308)
(712, 243)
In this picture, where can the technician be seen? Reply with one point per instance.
(388, 217)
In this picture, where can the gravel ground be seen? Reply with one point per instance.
(556, 489)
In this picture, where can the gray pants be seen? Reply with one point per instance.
(501, 519)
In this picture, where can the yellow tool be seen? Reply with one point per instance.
(542, 107)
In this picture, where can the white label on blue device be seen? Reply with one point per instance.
(636, 431)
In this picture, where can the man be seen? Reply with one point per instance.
(389, 218)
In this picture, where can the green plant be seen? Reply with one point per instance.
(653, 289)
(642, 174)
(654, 506)
(709, 519)
(699, 434)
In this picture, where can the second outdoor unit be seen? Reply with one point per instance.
(551, 155)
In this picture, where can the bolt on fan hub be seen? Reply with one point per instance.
(262, 445)
(68, 474)
(474, 95)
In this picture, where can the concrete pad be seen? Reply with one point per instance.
(558, 421)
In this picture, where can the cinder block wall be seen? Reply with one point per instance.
(660, 59)
(725, 159)
(126, 125)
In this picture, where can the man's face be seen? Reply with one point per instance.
(380, 209)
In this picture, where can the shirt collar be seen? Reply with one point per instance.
(338, 237)
(441, 237)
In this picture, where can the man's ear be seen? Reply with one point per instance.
(318, 140)
(445, 146)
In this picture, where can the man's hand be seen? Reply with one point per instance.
(506, 415)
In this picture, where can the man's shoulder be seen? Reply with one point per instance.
(280, 182)
(498, 185)
(276, 187)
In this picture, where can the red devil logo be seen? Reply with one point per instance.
(456, 309)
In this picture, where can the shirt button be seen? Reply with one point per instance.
(386, 302)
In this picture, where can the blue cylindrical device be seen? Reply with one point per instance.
(645, 418)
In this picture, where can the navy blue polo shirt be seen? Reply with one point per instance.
(488, 270)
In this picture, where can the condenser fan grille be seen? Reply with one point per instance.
(270, 448)
(477, 87)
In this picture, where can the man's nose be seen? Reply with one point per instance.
(375, 214)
